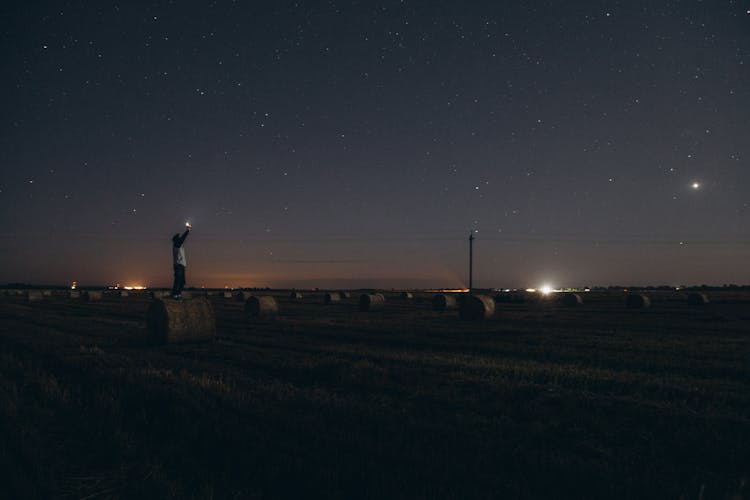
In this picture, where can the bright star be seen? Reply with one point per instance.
(696, 185)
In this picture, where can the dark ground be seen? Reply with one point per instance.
(542, 401)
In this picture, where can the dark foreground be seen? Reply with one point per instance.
(540, 402)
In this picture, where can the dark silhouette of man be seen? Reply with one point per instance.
(179, 263)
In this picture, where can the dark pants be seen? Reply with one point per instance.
(179, 279)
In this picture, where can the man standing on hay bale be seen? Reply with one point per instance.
(179, 262)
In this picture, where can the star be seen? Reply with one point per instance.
(696, 185)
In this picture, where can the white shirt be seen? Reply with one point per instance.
(178, 256)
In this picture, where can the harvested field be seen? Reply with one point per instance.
(539, 401)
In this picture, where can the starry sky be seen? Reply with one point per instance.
(359, 143)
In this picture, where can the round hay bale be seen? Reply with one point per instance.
(173, 321)
(371, 302)
(92, 295)
(34, 295)
(123, 293)
(697, 299)
(161, 294)
(476, 307)
(571, 299)
(637, 301)
(444, 302)
(74, 294)
(345, 295)
(261, 306)
(46, 293)
(406, 295)
(331, 297)
(228, 295)
(295, 296)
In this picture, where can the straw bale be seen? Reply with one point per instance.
(92, 295)
(175, 321)
(371, 302)
(638, 301)
(476, 307)
(261, 306)
(571, 299)
(444, 302)
(697, 299)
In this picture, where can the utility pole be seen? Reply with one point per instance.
(471, 263)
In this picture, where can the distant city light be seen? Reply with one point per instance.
(134, 287)
(545, 289)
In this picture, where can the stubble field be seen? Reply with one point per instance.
(541, 401)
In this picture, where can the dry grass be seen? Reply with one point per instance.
(541, 401)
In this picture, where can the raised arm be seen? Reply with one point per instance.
(182, 238)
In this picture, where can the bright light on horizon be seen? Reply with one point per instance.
(545, 289)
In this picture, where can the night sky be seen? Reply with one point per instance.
(357, 143)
